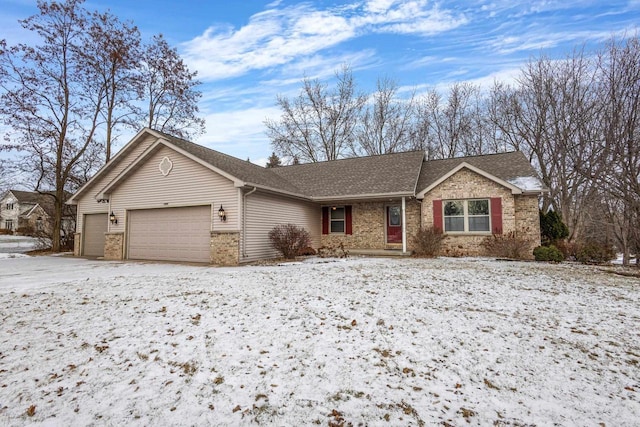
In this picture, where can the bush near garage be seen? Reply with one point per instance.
(289, 239)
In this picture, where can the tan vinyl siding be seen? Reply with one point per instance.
(88, 204)
(266, 211)
(188, 184)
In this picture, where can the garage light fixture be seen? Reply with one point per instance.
(113, 218)
(222, 214)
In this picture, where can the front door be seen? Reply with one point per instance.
(394, 224)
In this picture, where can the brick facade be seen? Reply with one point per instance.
(225, 247)
(519, 212)
(114, 246)
(369, 226)
(528, 219)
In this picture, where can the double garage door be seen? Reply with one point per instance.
(171, 234)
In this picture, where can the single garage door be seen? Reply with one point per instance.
(171, 234)
(95, 225)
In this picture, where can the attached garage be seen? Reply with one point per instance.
(170, 234)
(95, 227)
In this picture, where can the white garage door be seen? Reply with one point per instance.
(95, 225)
(172, 234)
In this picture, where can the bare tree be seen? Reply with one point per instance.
(619, 75)
(49, 102)
(449, 125)
(550, 116)
(113, 56)
(319, 124)
(386, 124)
(169, 89)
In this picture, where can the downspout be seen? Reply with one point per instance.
(404, 225)
(244, 221)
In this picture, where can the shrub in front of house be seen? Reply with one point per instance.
(306, 251)
(5, 231)
(333, 251)
(510, 245)
(428, 242)
(289, 239)
(548, 253)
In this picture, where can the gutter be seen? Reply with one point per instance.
(244, 221)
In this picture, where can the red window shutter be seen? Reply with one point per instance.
(437, 215)
(496, 215)
(325, 220)
(347, 220)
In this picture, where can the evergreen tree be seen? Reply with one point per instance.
(273, 161)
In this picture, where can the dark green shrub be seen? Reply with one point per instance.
(548, 253)
(595, 253)
(289, 239)
(428, 242)
(552, 228)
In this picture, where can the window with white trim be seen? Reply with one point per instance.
(9, 206)
(8, 224)
(336, 219)
(467, 216)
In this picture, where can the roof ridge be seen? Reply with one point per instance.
(475, 156)
(370, 156)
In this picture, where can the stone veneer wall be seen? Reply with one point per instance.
(76, 243)
(225, 247)
(369, 226)
(466, 184)
(114, 246)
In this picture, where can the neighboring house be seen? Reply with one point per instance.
(31, 212)
(164, 198)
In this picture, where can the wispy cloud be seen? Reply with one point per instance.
(291, 35)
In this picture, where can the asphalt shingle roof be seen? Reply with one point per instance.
(505, 166)
(396, 174)
(359, 176)
(30, 198)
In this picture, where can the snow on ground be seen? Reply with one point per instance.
(11, 245)
(379, 342)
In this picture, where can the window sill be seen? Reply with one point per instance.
(469, 233)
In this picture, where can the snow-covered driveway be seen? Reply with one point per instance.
(364, 342)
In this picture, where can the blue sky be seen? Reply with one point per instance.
(247, 52)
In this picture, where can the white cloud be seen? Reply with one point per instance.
(284, 36)
(274, 37)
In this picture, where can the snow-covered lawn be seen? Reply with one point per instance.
(378, 342)
(12, 245)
